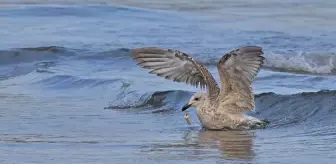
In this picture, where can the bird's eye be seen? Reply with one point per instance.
(196, 98)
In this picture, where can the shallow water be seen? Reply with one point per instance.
(70, 92)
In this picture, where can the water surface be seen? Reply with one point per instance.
(70, 92)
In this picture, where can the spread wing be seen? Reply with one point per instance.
(237, 70)
(177, 66)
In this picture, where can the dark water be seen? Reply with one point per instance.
(70, 93)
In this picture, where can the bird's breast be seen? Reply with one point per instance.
(209, 120)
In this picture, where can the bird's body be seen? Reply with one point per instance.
(218, 108)
(213, 118)
(216, 120)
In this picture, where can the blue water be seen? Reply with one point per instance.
(70, 92)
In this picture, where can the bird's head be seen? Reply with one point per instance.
(195, 101)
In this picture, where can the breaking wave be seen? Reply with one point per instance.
(39, 59)
(33, 54)
(281, 110)
(303, 62)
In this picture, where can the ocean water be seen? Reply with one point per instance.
(70, 92)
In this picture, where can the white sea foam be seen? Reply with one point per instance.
(313, 62)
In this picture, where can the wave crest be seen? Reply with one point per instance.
(302, 62)
(296, 62)
(31, 54)
(159, 101)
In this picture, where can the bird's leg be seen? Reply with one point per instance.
(187, 118)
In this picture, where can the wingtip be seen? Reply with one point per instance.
(251, 48)
(134, 52)
(138, 50)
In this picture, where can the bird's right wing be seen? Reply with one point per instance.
(177, 66)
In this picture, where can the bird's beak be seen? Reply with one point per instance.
(185, 107)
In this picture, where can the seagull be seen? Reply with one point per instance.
(218, 108)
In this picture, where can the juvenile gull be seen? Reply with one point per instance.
(218, 108)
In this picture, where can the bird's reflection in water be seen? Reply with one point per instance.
(203, 144)
(230, 144)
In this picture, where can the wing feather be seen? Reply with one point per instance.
(237, 70)
(177, 66)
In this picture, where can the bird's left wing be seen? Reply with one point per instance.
(237, 70)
